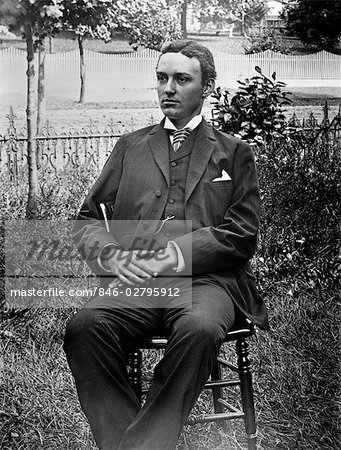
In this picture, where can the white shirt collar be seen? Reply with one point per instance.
(192, 124)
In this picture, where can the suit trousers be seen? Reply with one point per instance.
(96, 342)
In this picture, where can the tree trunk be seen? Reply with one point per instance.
(231, 29)
(82, 68)
(41, 112)
(242, 24)
(184, 19)
(31, 209)
(41, 88)
(51, 44)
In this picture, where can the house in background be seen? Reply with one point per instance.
(231, 25)
(7, 38)
(272, 19)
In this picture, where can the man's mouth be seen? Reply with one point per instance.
(169, 101)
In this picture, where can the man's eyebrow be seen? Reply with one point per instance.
(159, 72)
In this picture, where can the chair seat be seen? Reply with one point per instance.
(242, 330)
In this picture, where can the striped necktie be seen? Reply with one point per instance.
(179, 137)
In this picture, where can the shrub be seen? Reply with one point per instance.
(255, 112)
(60, 198)
(301, 202)
(61, 194)
(268, 39)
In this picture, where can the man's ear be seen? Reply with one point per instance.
(208, 87)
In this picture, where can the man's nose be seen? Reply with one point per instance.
(170, 87)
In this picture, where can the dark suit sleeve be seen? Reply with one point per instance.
(232, 243)
(89, 231)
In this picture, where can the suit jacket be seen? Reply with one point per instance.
(224, 214)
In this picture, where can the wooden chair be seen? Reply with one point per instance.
(223, 410)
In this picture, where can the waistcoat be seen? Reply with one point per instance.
(178, 166)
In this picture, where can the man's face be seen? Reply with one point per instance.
(179, 87)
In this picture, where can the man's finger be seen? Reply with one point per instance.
(115, 283)
(144, 253)
(133, 275)
(131, 268)
(148, 266)
(140, 269)
(125, 280)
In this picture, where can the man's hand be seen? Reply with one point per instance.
(136, 266)
(159, 261)
(123, 264)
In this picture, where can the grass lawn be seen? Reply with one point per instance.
(65, 42)
(295, 381)
(64, 114)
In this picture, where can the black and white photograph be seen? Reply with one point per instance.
(170, 224)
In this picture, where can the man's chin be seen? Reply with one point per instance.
(170, 111)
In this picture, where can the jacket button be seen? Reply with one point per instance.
(171, 200)
(174, 164)
(173, 182)
(157, 193)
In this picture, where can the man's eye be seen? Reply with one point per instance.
(161, 78)
(182, 80)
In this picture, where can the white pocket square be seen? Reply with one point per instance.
(224, 177)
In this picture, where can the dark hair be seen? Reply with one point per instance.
(192, 49)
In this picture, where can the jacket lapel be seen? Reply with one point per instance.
(202, 151)
(159, 143)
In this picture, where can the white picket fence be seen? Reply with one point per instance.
(131, 77)
(322, 65)
(138, 69)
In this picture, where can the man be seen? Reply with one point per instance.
(152, 174)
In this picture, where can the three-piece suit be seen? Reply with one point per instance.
(145, 181)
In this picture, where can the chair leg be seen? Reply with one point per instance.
(135, 373)
(218, 393)
(244, 368)
(216, 390)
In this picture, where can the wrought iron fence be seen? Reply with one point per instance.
(90, 146)
(56, 151)
(311, 129)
